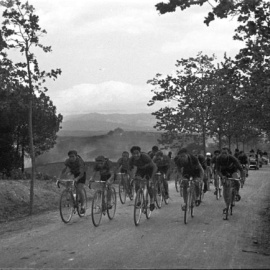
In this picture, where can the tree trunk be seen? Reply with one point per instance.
(22, 159)
(31, 140)
(204, 139)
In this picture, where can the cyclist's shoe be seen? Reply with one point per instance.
(197, 202)
(152, 206)
(109, 206)
(166, 196)
(184, 206)
(215, 192)
(82, 211)
(225, 211)
(237, 197)
(139, 204)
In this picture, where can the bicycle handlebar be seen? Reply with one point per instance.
(62, 181)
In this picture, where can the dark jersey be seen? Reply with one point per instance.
(77, 167)
(124, 163)
(189, 169)
(228, 166)
(143, 162)
(105, 170)
(243, 158)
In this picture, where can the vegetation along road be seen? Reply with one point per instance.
(163, 241)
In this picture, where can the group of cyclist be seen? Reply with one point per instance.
(202, 169)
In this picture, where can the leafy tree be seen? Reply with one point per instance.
(192, 92)
(21, 30)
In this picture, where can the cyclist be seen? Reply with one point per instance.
(189, 166)
(123, 167)
(243, 159)
(153, 152)
(104, 168)
(228, 166)
(236, 152)
(76, 167)
(214, 170)
(204, 166)
(208, 164)
(144, 167)
(163, 163)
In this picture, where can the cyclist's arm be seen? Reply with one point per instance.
(201, 171)
(92, 179)
(154, 170)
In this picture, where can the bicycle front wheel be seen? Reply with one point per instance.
(187, 207)
(122, 191)
(66, 206)
(112, 204)
(80, 204)
(147, 205)
(158, 194)
(138, 205)
(177, 184)
(97, 208)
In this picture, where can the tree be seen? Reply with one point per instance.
(191, 91)
(21, 30)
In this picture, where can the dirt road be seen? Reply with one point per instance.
(163, 241)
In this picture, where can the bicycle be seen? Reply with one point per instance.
(142, 200)
(229, 194)
(125, 188)
(101, 203)
(159, 190)
(218, 186)
(189, 185)
(70, 202)
(244, 176)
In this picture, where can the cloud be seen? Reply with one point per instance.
(110, 97)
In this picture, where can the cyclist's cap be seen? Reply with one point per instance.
(100, 158)
(72, 152)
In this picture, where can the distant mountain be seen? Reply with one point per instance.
(94, 122)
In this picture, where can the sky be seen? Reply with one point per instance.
(109, 49)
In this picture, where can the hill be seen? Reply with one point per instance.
(110, 145)
(106, 122)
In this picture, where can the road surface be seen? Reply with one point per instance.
(163, 241)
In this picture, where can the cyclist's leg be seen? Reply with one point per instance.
(236, 185)
(80, 192)
(184, 184)
(197, 190)
(164, 171)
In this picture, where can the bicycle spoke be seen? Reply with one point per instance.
(66, 206)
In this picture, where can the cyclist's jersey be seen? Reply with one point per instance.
(124, 163)
(213, 162)
(105, 170)
(208, 161)
(228, 166)
(189, 169)
(144, 162)
(151, 154)
(243, 158)
(163, 164)
(77, 168)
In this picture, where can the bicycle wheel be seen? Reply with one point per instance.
(158, 193)
(138, 206)
(66, 206)
(132, 191)
(187, 206)
(232, 201)
(164, 198)
(201, 191)
(79, 204)
(111, 210)
(147, 205)
(97, 208)
(122, 191)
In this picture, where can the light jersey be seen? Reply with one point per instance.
(77, 167)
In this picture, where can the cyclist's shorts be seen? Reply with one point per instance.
(105, 177)
(145, 173)
(124, 171)
(163, 169)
